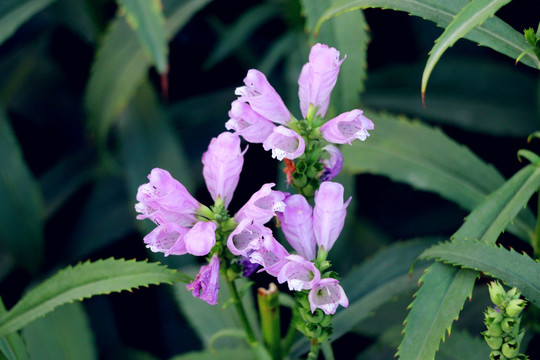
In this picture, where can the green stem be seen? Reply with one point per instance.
(536, 238)
(268, 301)
(314, 351)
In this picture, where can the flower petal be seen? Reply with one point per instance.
(284, 143)
(247, 123)
(206, 284)
(297, 225)
(327, 294)
(346, 127)
(201, 238)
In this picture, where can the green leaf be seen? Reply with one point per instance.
(350, 36)
(493, 33)
(13, 13)
(146, 18)
(121, 64)
(472, 15)
(21, 204)
(63, 334)
(513, 268)
(12, 345)
(83, 281)
(427, 159)
(238, 353)
(444, 289)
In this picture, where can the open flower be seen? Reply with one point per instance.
(262, 205)
(206, 284)
(346, 127)
(327, 295)
(297, 225)
(299, 273)
(247, 123)
(284, 143)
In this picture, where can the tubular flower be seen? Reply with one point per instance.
(247, 123)
(201, 238)
(327, 294)
(262, 205)
(346, 127)
(332, 165)
(206, 284)
(329, 213)
(318, 78)
(284, 143)
(297, 225)
(263, 98)
(168, 239)
(299, 273)
(222, 164)
(248, 237)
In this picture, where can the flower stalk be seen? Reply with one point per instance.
(268, 301)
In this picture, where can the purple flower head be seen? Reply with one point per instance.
(201, 238)
(262, 205)
(346, 127)
(167, 238)
(271, 256)
(329, 213)
(164, 200)
(297, 225)
(318, 78)
(222, 164)
(299, 273)
(247, 237)
(327, 294)
(262, 98)
(248, 124)
(332, 165)
(284, 143)
(206, 284)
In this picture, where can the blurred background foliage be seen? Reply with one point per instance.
(89, 107)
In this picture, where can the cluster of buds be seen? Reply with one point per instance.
(503, 334)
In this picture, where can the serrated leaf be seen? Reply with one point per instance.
(493, 33)
(427, 159)
(146, 18)
(350, 36)
(472, 15)
(83, 281)
(517, 270)
(63, 334)
(444, 289)
(13, 13)
(21, 203)
(12, 345)
(121, 64)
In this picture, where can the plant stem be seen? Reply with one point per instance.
(314, 351)
(536, 238)
(268, 301)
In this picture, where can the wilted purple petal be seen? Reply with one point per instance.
(262, 98)
(297, 225)
(332, 165)
(284, 143)
(201, 238)
(299, 273)
(222, 165)
(346, 127)
(262, 205)
(167, 238)
(327, 294)
(248, 267)
(206, 284)
(329, 213)
(248, 124)
(165, 200)
(318, 77)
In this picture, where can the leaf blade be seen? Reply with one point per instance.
(13, 13)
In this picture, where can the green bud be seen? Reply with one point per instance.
(313, 330)
(326, 321)
(494, 342)
(510, 326)
(510, 349)
(497, 355)
(494, 329)
(513, 293)
(205, 212)
(315, 317)
(492, 316)
(515, 307)
(497, 293)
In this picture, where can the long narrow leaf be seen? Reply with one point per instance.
(13, 13)
(471, 16)
(12, 345)
(493, 33)
(84, 281)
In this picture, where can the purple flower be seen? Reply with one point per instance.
(201, 238)
(247, 123)
(299, 273)
(284, 143)
(222, 164)
(262, 205)
(332, 165)
(297, 225)
(329, 213)
(262, 98)
(318, 78)
(165, 200)
(167, 238)
(346, 127)
(271, 256)
(206, 284)
(327, 294)
(247, 237)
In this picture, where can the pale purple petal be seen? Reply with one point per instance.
(284, 143)
(271, 256)
(262, 205)
(299, 273)
(247, 237)
(318, 77)
(332, 165)
(327, 294)
(165, 200)
(222, 165)
(206, 284)
(167, 238)
(346, 127)
(201, 238)
(262, 97)
(248, 124)
(297, 225)
(329, 213)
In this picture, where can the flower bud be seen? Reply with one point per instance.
(494, 329)
(510, 326)
(510, 349)
(515, 307)
(497, 293)
(497, 355)
(492, 316)
(494, 342)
